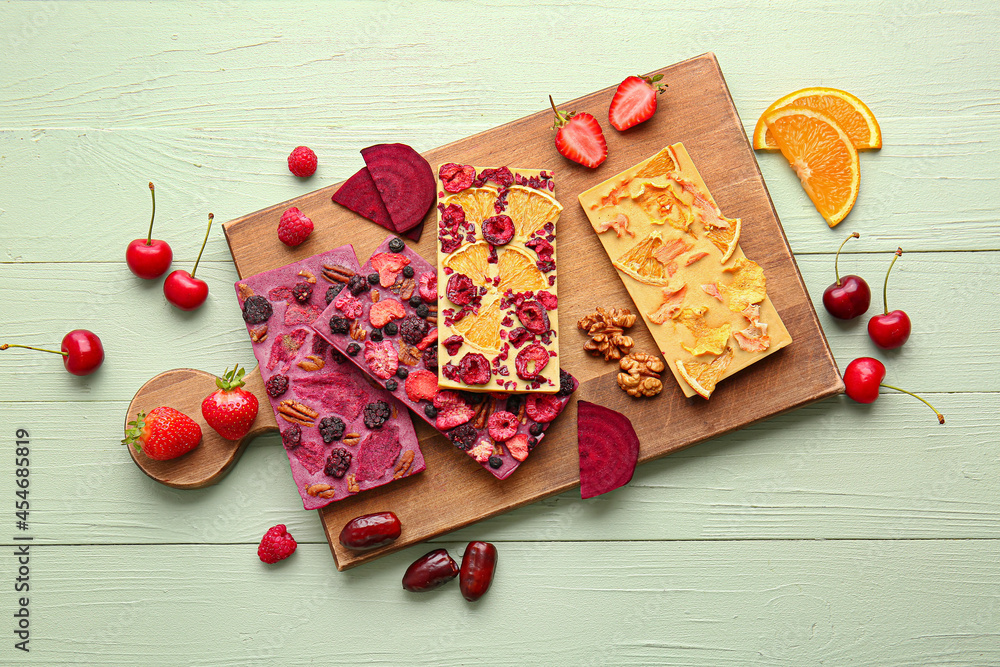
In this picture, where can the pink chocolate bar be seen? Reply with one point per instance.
(395, 342)
(342, 435)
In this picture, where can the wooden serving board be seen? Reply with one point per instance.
(696, 109)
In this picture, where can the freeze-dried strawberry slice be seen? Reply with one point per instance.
(542, 408)
(530, 361)
(481, 452)
(532, 315)
(453, 344)
(298, 315)
(428, 340)
(385, 311)
(452, 410)
(427, 285)
(388, 265)
(474, 369)
(285, 347)
(502, 425)
(421, 384)
(518, 446)
(381, 358)
(456, 177)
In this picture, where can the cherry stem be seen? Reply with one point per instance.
(211, 216)
(28, 347)
(152, 193)
(836, 272)
(939, 415)
(885, 287)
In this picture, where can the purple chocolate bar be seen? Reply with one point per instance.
(342, 434)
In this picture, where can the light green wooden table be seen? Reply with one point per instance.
(837, 534)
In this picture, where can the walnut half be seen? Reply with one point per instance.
(605, 328)
(641, 374)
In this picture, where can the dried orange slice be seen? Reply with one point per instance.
(727, 239)
(472, 260)
(822, 155)
(662, 163)
(749, 286)
(482, 330)
(518, 273)
(477, 204)
(707, 340)
(662, 204)
(853, 116)
(640, 261)
(530, 210)
(704, 376)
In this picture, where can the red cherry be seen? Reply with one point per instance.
(849, 296)
(81, 351)
(181, 288)
(889, 330)
(864, 376)
(149, 258)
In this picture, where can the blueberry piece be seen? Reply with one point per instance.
(373, 278)
(407, 271)
(391, 329)
(402, 372)
(391, 385)
(396, 245)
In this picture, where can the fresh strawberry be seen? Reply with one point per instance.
(276, 545)
(579, 137)
(163, 434)
(231, 409)
(634, 101)
(421, 384)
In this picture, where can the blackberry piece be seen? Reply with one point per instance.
(391, 329)
(396, 245)
(565, 383)
(463, 437)
(430, 411)
(423, 310)
(276, 385)
(514, 403)
(391, 385)
(373, 278)
(353, 349)
(377, 413)
(402, 372)
(332, 292)
(302, 292)
(496, 462)
(256, 309)
(357, 285)
(339, 325)
(291, 436)
(331, 428)
(337, 462)
(413, 329)
(415, 301)
(430, 358)
(338, 356)
(375, 335)
(535, 428)
(407, 271)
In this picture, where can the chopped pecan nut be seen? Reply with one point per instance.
(431, 319)
(357, 333)
(403, 464)
(321, 491)
(297, 413)
(312, 363)
(352, 484)
(406, 287)
(409, 354)
(258, 334)
(641, 376)
(337, 274)
(605, 328)
(482, 413)
(245, 292)
(521, 418)
(351, 439)
(375, 296)
(310, 278)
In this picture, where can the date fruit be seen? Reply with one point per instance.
(430, 571)
(478, 565)
(370, 531)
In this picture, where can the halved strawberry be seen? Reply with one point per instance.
(579, 137)
(634, 101)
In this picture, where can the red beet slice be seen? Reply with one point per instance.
(404, 180)
(609, 449)
(360, 195)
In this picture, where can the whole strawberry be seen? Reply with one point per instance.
(579, 137)
(231, 409)
(294, 227)
(276, 545)
(634, 101)
(163, 434)
(302, 162)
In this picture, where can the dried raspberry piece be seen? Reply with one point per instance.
(376, 414)
(338, 462)
(421, 384)
(463, 436)
(388, 265)
(276, 385)
(385, 311)
(339, 325)
(320, 345)
(547, 299)
(542, 248)
(567, 384)
(295, 315)
(428, 340)
(302, 292)
(518, 336)
(348, 305)
(453, 344)
(452, 410)
(481, 452)
(285, 347)
(291, 436)
(381, 358)
(427, 286)
(502, 425)
(474, 369)
(256, 309)
(533, 316)
(331, 428)
(498, 230)
(460, 289)
(530, 361)
(412, 329)
(451, 228)
(430, 358)
(456, 177)
(518, 446)
(543, 408)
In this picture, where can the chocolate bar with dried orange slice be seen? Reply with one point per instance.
(499, 320)
(704, 301)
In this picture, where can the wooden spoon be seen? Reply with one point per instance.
(184, 389)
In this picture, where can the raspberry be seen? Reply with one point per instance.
(452, 410)
(302, 162)
(453, 344)
(463, 437)
(430, 358)
(413, 329)
(460, 289)
(337, 462)
(532, 315)
(482, 451)
(427, 286)
(495, 462)
(276, 385)
(518, 446)
(428, 340)
(276, 545)
(566, 383)
(474, 369)
(332, 292)
(331, 428)
(498, 230)
(377, 413)
(391, 329)
(294, 227)
(381, 358)
(530, 361)
(256, 309)
(339, 325)
(456, 177)
(543, 408)
(396, 244)
(357, 284)
(385, 311)
(291, 436)
(421, 384)
(502, 425)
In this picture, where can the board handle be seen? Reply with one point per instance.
(184, 389)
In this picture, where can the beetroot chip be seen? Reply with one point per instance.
(378, 453)
(405, 182)
(609, 449)
(360, 195)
